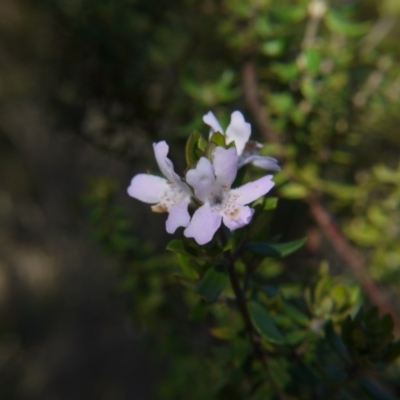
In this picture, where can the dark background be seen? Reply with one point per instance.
(85, 88)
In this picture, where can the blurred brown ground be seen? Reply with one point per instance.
(63, 333)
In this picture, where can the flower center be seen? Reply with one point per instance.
(217, 199)
(173, 195)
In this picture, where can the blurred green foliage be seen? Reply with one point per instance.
(123, 74)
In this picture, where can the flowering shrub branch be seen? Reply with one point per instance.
(225, 255)
(209, 183)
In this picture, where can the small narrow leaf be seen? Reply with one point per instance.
(336, 23)
(296, 315)
(285, 71)
(211, 146)
(313, 59)
(188, 262)
(218, 138)
(275, 249)
(270, 203)
(202, 143)
(267, 203)
(212, 284)
(223, 333)
(191, 146)
(187, 267)
(272, 47)
(294, 191)
(262, 249)
(264, 324)
(335, 341)
(296, 337)
(177, 246)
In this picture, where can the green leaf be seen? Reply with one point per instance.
(267, 203)
(296, 337)
(273, 47)
(313, 59)
(264, 324)
(184, 281)
(177, 246)
(285, 71)
(223, 332)
(308, 88)
(294, 191)
(336, 23)
(211, 146)
(275, 249)
(218, 138)
(296, 315)
(191, 146)
(187, 267)
(294, 13)
(339, 190)
(212, 284)
(281, 103)
(270, 203)
(335, 341)
(202, 143)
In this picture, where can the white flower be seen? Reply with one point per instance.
(239, 131)
(169, 195)
(211, 183)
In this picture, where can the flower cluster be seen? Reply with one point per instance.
(207, 186)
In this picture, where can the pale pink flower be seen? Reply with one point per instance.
(168, 194)
(212, 183)
(239, 131)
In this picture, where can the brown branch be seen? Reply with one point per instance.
(377, 33)
(352, 258)
(244, 311)
(316, 11)
(241, 302)
(250, 90)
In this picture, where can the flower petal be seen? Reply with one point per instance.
(202, 179)
(240, 217)
(147, 188)
(178, 216)
(253, 190)
(203, 225)
(225, 165)
(238, 131)
(267, 163)
(212, 122)
(164, 163)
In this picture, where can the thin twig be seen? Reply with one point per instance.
(316, 10)
(242, 306)
(352, 258)
(377, 33)
(241, 302)
(250, 89)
